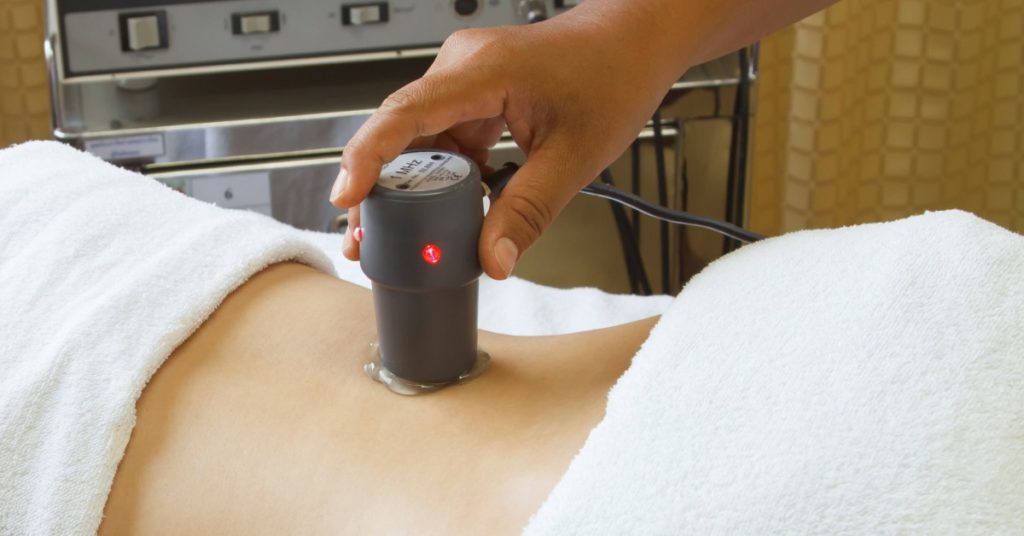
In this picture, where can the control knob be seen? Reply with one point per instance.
(466, 8)
(533, 10)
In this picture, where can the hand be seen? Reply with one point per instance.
(572, 91)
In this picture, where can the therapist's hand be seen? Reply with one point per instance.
(573, 92)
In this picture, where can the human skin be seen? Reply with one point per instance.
(573, 91)
(263, 422)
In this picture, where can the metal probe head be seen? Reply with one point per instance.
(421, 225)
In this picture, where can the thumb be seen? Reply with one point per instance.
(535, 195)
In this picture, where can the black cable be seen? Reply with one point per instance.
(496, 183)
(622, 225)
(744, 136)
(685, 178)
(638, 282)
(736, 182)
(686, 186)
(617, 215)
(668, 215)
(730, 181)
(659, 160)
(635, 160)
(679, 170)
(635, 179)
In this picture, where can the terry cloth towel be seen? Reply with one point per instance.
(864, 380)
(102, 274)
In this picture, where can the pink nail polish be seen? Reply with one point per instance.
(357, 233)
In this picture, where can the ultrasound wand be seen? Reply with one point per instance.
(421, 224)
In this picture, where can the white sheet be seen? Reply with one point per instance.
(866, 380)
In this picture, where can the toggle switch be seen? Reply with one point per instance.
(533, 11)
(255, 23)
(364, 14)
(143, 31)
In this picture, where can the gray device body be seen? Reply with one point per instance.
(425, 301)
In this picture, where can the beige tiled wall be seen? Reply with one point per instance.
(877, 109)
(24, 97)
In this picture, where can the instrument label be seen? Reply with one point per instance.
(127, 147)
(423, 171)
(237, 190)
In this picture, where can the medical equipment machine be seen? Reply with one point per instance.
(108, 37)
(245, 103)
(248, 104)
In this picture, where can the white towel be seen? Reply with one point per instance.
(103, 273)
(865, 380)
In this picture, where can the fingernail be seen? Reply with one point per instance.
(506, 252)
(339, 185)
(357, 233)
(346, 239)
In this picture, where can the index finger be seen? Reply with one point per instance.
(426, 107)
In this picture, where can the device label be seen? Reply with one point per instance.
(423, 171)
(236, 190)
(127, 147)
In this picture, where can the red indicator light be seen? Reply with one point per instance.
(431, 254)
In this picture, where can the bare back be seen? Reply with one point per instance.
(263, 422)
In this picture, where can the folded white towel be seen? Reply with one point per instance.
(102, 274)
(865, 380)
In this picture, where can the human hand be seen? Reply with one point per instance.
(572, 91)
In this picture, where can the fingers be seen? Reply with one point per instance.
(350, 243)
(425, 107)
(525, 208)
(477, 134)
(473, 139)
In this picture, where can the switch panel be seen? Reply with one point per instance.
(143, 31)
(363, 14)
(255, 23)
(101, 37)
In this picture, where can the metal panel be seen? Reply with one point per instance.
(201, 33)
(298, 189)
